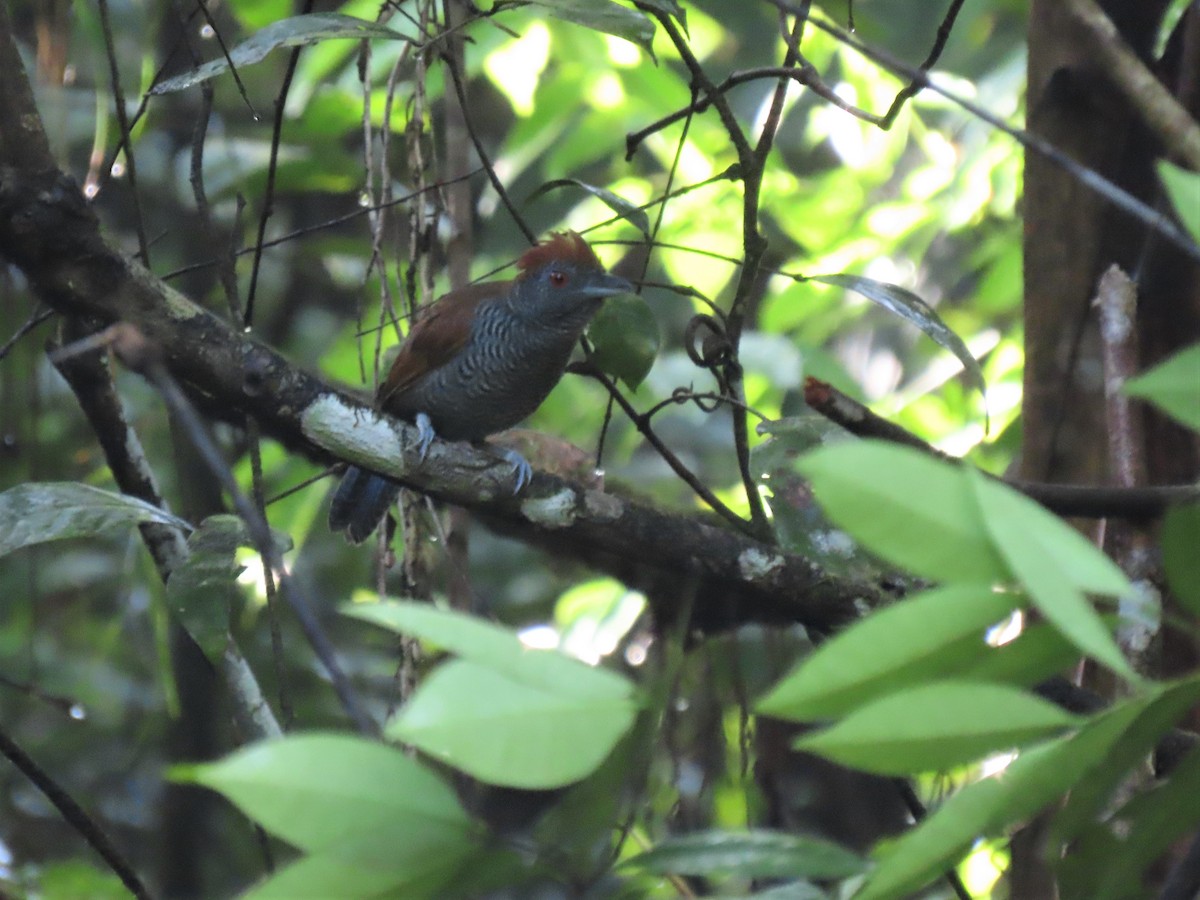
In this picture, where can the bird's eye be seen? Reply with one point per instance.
(558, 278)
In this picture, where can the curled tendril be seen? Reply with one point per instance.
(706, 402)
(708, 345)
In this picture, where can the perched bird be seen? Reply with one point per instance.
(481, 359)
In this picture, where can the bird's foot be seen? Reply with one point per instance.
(425, 435)
(521, 467)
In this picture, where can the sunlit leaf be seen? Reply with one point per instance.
(1184, 189)
(906, 507)
(495, 648)
(1040, 550)
(914, 640)
(510, 732)
(53, 511)
(1173, 385)
(292, 32)
(320, 790)
(912, 308)
(933, 727)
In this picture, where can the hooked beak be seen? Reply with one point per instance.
(606, 284)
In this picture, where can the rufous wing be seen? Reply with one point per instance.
(440, 331)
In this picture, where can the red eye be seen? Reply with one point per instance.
(557, 278)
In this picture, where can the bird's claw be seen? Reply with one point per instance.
(521, 468)
(425, 435)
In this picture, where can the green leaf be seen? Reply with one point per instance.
(292, 32)
(1102, 866)
(53, 511)
(1055, 564)
(625, 339)
(1036, 778)
(391, 860)
(495, 648)
(618, 204)
(76, 878)
(671, 8)
(604, 16)
(319, 790)
(1173, 386)
(933, 727)
(913, 309)
(913, 640)
(203, 591)
(1181, 562)
(748, 854)
(1183, 187)
(906, 507)
(1168, 707)
(1038, 652)
(511, 732)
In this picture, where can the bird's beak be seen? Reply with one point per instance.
(606, 284)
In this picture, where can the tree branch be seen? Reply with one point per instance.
(48, 231)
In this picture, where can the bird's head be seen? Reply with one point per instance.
(562, 278)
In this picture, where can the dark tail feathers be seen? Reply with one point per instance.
(360, 502)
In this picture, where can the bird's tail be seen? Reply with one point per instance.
(360, 502)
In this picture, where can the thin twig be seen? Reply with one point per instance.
(39, 316)
(320, 226)
(1090, 178)
(642, 423)
(460, 91)
(268, 207)
(1148, 97)
(75, 815)
(110, 51)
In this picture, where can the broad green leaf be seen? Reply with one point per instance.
(1173, 386)
(204, 590)
(319, 790)
(1038, 652)
(56, 510)
(1184, 188)
(912, 308)
(509, 732)
(1055, 564)
(913, 640)
(1102, 866)
(1181, 562)
(618, 204)
(1094, 796)
(1036, 778)
(624, 335)
(912, 510)
(936, 726)
(293, 32)
(495, 648)
(748, 854)
(392, 860)
(604, 16)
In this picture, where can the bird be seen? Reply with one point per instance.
(479, 360)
